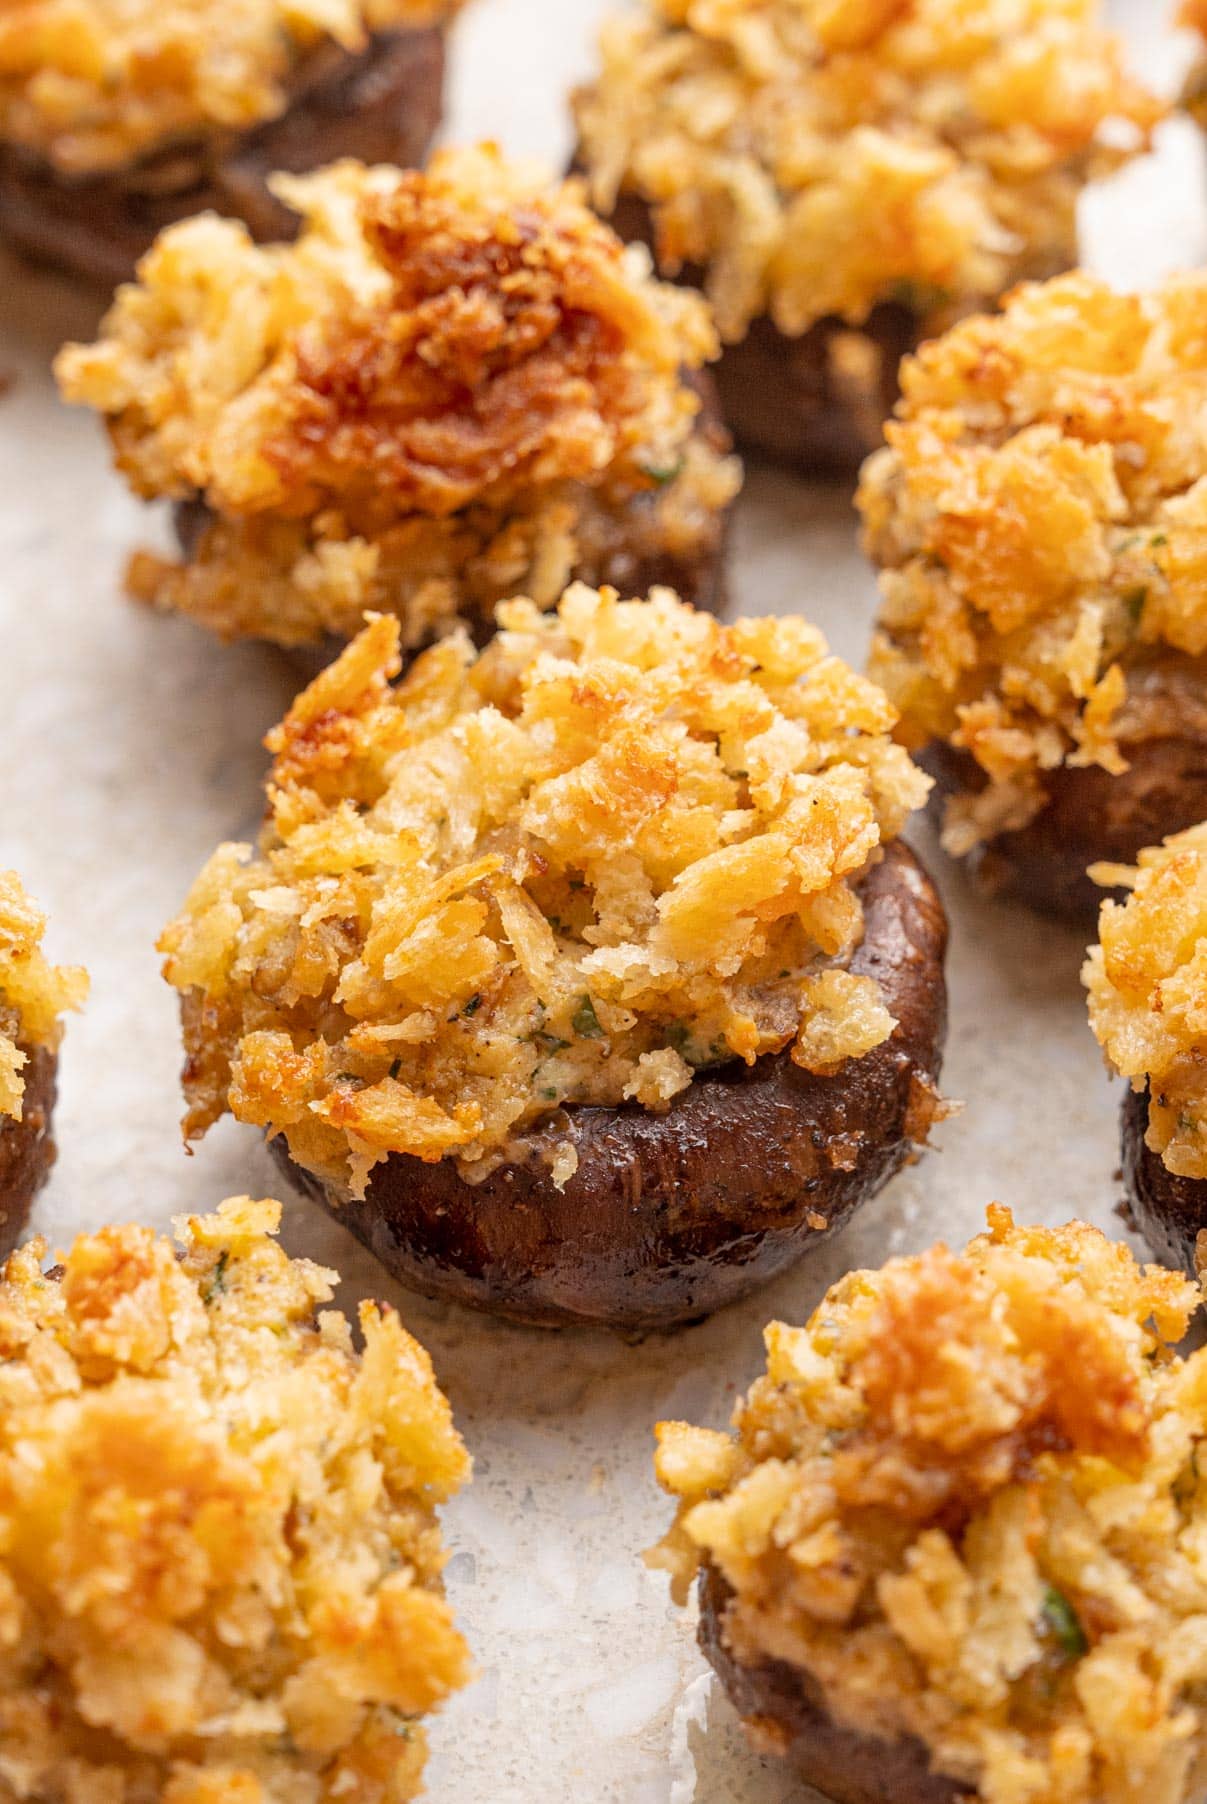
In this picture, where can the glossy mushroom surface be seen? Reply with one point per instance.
(1091, 815)
(27, 1148)
(786, 1715)
(1169, 1211)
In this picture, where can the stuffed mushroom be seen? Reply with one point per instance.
(116, 120)
(456, 387)
(221, 1556)
(34, 995)
(842, 178)
(950, 1552)
(1037, 519)
(1147, 980)
(585, 979)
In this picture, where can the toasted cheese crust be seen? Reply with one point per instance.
(967, 1500)
(620, 844)
(88, 86)
(220, 1566)
(34, 994)
(1037, 518)
(817, 157)
(438, 397)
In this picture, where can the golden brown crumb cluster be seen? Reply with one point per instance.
(89, 85)
(819, 156)
(443, 394)
(968, 1498)
(619, 845)
(220, 1576)
(33, 993)
(1147, 979)
(1038, 518)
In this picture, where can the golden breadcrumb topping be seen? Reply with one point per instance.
(90, 85)
(33, 993)
(819, 156)
(620, 844)
(969, 1499)
(437, 398)
(220, 1566)
(1038, 517)
(1147, 983)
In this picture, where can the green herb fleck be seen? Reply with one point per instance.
(917, 297)
(662, 474)
(395, 1068)
(1061, 1622)
(550, 1042)
(585, 1021)
(1134, 602)
(549, 1093)
(1158, 540)
(472, 1006)
(217, 1279)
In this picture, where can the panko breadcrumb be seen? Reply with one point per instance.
(1038, 519)
(619, 845)
(87, 86)
(816, 157)
(219, 1555)
(968, 1499)
(34, 994)
(455, 387)
(1147, 984)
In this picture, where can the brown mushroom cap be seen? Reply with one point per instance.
(381, 105)
(668, 1217)
(784, 1706)
(816, 402)
(1170, 1212)
(27, 1150)
(1089, 815)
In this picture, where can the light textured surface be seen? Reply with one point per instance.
(131, 745)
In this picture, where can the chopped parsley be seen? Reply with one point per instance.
(585, 1021)
(216, 1283)
(663, 474)
(1062, 1624)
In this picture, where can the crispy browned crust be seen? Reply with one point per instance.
(785, 398)
(381, 105)
(702, 580)
(783, 1706)
(1170, 1212)
(1089, 815)
(27, 1149)
(668, 1217)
